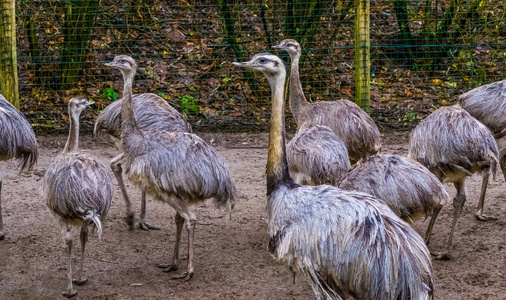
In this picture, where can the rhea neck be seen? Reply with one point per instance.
(297, 98)
(73, 139)
(128, 121)
(277, 166)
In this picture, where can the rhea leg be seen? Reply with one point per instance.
(143, 224)
(175, 257)
(2, 235)
(435, 212)
(118, 173)
(84, 238)
(71, 292)
(190, 226)
(458, 203)
(479, 215)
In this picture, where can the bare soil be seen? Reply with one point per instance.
(231, 258)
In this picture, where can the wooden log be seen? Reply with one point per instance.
(8, 57)
(362, 55)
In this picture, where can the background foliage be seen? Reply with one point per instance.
(424, 53)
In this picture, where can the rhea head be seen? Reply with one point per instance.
(267, 63)
(290, 46)
(124, 63)
(78, 104)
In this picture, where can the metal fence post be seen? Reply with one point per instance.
(362, 55)
(8, 58)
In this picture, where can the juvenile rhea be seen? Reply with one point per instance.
(77, 189)
(453, 145)
(316, 155)
(347, 244)
(408, 188)
(152, 113)
(178, 168)
(17, 141)
(349, 122)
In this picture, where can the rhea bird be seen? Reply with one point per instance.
(453, 145)
(316, 155)
(154, 114)
(350, 123)
(78, 191)
(17, 141)
(348, 244)
(178, 168)
(406, 186)
(487, 103)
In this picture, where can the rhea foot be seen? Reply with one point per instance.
(441, 255)
(80, 281)
(186, 276)
(146, 226)
(481, 217)
(70, 293)
(168, 268)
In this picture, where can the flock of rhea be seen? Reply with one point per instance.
(339, 212)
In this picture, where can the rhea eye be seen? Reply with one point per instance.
(262, 61)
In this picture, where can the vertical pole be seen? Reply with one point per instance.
(8, 57)
(362, 55)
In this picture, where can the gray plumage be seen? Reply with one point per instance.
(409, 189)
(152, 114)
(316, 155)
(348, 244)
(178, 168)
(350, 123)
(17, 141)
(453, 145)
(77, 190)
(487, 103)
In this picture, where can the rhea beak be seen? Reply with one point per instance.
(109, 64)
(276, 46)
(90, 103)
(242, 64)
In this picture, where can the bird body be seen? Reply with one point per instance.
(178, 168)
(409, 189)
(453, 145)
(487, 103)
(348, 244)
(316, 155)
(349, 122)
(152, 114)
(77, 190)
(17, 141)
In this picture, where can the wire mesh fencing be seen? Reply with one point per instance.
(422, 55)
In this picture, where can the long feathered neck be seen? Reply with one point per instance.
(128, 121)
(297, 98)
(277, 166)
(73, 139)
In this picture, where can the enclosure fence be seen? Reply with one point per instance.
(398, 59)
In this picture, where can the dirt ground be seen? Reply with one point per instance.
(231, 258)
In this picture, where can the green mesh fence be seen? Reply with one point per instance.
(423, 54)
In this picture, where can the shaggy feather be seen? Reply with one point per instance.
(487, 103)
(350, 241)
(17, 139)
(461, 146)
(151, 112)
(349, 122)
(77, 188)
(408, 188)
(316, 155)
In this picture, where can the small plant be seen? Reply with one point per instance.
(109, 94)
(188, 104)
